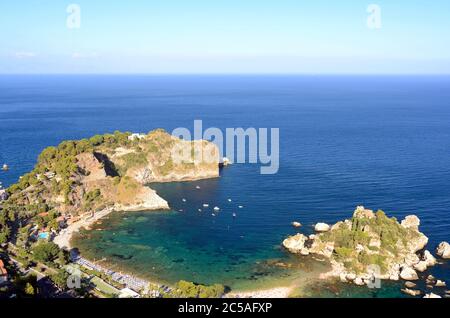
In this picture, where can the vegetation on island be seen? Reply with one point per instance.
(369, 241)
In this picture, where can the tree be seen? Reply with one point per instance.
(45, 251)
(60, 279)
(63, 257)
(29, 289)
(5, 231)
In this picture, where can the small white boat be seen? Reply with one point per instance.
(229, 200)
(5, 167)
(205, 205)
(184, 200)
(216, 208)
(199, 210)
(197, 187)
(234, 215)
(240, 207)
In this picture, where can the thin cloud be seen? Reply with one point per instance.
(24, 55)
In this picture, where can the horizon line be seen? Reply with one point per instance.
(224, 74)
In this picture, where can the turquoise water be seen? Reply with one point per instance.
(344, 141)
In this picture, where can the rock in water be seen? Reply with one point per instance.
(410, 285)
(3, 195)
(296, 243)
(296, 224)
(440, 283)
(411, 221)
(408, 273)
(412, 292)
(431, 295)
(359, 281)
(321, 227)
(429, 259)
(443, 250)
(421, 266)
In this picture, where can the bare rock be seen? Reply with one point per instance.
(296, 243)
(359, 281)
(343, 277)
(443, 250)
(412, 292)
(440, 283)
(408, 273)
(431, 295)
(412, 259)
(410, 285)
(411, 221)
(428, 258)
(421, 266)
(362, 212)
(304, 251)
(321, 227)
(418, 243)
(296, 224)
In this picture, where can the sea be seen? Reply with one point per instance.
(378, 141)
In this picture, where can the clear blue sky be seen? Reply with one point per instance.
(225, 36)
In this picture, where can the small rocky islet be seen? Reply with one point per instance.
(372, 246)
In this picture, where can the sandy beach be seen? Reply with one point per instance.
(64, 236)
(278, 292)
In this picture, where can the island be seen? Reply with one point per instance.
(368, 247)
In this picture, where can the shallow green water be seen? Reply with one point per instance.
(151, 245)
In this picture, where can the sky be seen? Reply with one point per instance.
(225, 36)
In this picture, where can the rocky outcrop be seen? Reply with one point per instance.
(146, 200)
(3, 195)
(296, 224)
(443, 250)
(410, 284)
(431, 295)
(421, 266)
(408, 273)
(296, 243)
(367, 246)
(321, 227)
(362, 212)
(429, 259)
(411, 222)
(412, 292)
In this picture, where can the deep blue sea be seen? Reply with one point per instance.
(383, 142)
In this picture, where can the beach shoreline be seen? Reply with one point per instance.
(276, 292)
(65, 236)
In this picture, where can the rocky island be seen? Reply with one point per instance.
(369, 245)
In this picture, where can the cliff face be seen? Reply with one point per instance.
(368, 245)
(160, 157)
(110, 171)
